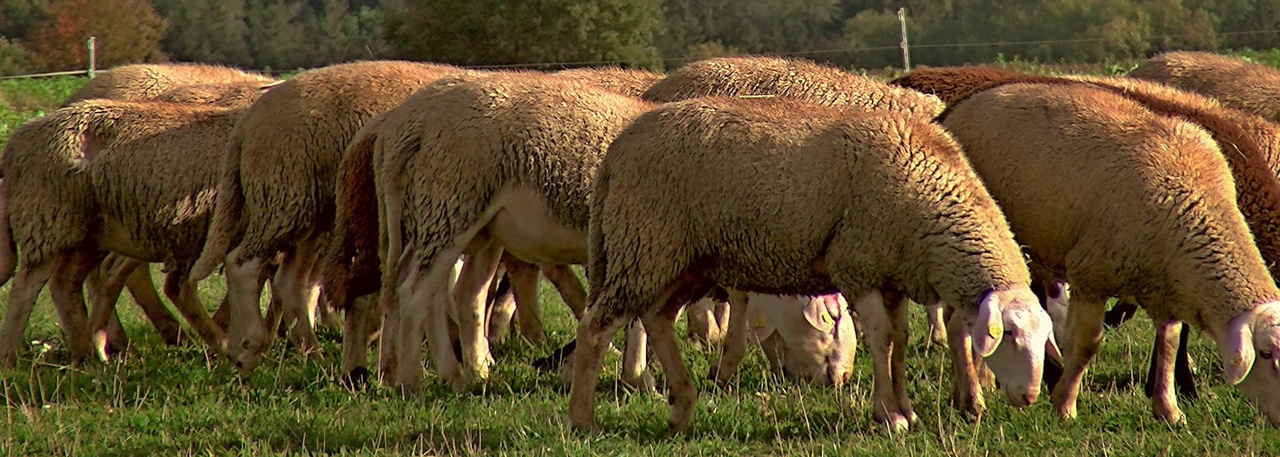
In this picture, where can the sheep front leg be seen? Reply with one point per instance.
(878, 329)
(1164, 401)
(22, 298)
(144, 294)
(635, 360)
(938, 326)
(182, 290)
(524, 286)
(681, 392)
(568, 285)
(66, 289)
(470, 295)
(735, 339)
(1084, 331)
(247, 336)
(104, 287)
(966, 392)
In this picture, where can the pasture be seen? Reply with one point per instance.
(177, 401)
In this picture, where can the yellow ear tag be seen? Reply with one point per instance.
(760, 322)
(1238, 360)
(994, 331)
(826, 318)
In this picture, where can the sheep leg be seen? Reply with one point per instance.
(145, 296)
(595, 329)
(568, 285)
(181, 290)
(966, 390)
(501, 312)
(681, 391)
(720, 311)
(1183, 377)
(396, 273)
(66, 289)
(1084, 331)
(8, 250)
(299, 294)
(355, 340)
(470, 297)
(701, 321)
(104, 287)
(524, 286)
(22, 298)
(937, 325)
(424, 302)
(635, 360)
(896, 305)
(1164, 401)
(247, 336)
(878, 328)
(734, 345)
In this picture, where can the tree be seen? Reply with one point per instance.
(496, 32)
(276, 40)
(127, 31)
(211, 32)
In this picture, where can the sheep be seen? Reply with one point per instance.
(816, 344)
(788, 78)
(1238, 83)
(141, 82)
(1246, 139)
(659, 234)
(238, 94)
(103, 175)
(276, 190)
(528, 144)
(629, 82)
(1124, 202)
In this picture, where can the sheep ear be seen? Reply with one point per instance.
(822, 312)
(988, 328)
(1051, 348)
(1237, 345)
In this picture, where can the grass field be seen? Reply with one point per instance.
(175, 401)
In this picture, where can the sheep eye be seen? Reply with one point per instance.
(1267, 355)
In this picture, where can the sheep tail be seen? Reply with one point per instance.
(8, 249)
(352, 268)
(226, 214)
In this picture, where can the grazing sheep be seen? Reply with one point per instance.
(238, 94)
(104, 175)
(918, 222)
(788, 78)
(141, 82)
(1238, 83)
(1245, 139)
(527, 145)
(816, 344)
(1123, 202)
(277, 190)
(629, 82)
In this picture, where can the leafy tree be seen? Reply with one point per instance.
(212, 32)
(275, 38)
(126, 30)
(497, 32)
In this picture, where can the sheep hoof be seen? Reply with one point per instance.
(1066, 411)
(643, 384)
(896, 423)
(1171, 415)
(355, 379)
(911, 416)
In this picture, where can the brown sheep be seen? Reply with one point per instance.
(1124, 202)
(629, 82)
(141, 82)
(277, 190)
(917, 223)
(1238, 83)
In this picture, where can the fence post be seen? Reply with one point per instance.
(906, 50)
(93, 56)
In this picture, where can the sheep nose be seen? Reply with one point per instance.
(1029, 399)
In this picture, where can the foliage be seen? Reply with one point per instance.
(15, 59)
(502, 32)
(126, 30)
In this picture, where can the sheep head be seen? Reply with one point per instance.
(1015, 332)
(813, 339)
(1250, 357)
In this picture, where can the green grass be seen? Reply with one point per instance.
(173, 400)
(24, 99)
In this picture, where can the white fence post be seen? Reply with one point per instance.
(93, 56)
(906, 50)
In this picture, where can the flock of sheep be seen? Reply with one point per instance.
(400, 194)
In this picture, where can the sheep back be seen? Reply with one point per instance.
(629, 82)
(789, 78)
(141, 82)
(1236, 82)
(784, 197)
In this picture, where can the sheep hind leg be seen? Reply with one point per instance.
(735, 339)
(937, 325)
(469, 295)
(635, 360)
(568, 285)
(424, 297)
(1084, 331)
(22, 298)
(145, 296)
(595, 329)
(1164, 401)
(878, 327)
(66, 289)
(299, 293)
(681, 392)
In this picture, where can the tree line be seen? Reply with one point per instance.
(281, 35)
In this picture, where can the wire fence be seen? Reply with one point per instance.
(91, 70)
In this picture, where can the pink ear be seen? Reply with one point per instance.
(1051, 348)
(1236, 347)
(988, 328)
(817, 312)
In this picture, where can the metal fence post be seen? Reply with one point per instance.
(93, 56)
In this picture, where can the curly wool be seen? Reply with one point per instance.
(142, 82)
(788, 78)
(629, 82)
